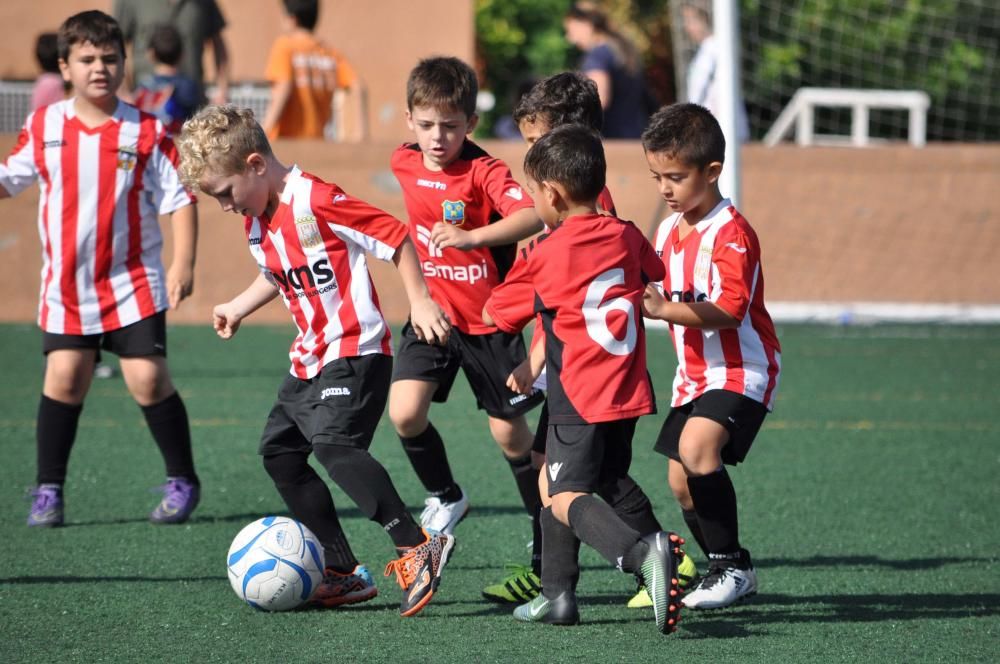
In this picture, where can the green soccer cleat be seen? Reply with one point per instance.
(687, 575)
(559, 611)
(520, 585)
(658, 572)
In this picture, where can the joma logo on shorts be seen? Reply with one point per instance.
(335, 392)
(518, 399)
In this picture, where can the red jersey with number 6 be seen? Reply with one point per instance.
(471, 192)
(588, 277)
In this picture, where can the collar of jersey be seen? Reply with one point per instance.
(286, 191)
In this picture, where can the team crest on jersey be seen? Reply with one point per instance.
(308, 231)
(127, 157)
(454, 212)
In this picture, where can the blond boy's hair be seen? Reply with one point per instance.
(219, 139)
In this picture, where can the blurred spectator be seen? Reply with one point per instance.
(702, 88)
(198, 22)
(613, 63)
(49, 86)
(308, 81)
(166, 93)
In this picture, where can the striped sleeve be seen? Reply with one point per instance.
(20, 171)
(363, 224)
(169, 194)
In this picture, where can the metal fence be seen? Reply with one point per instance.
(15, 102)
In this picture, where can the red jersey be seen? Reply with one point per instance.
(719, 262)
(102, 190)
(313, 249)
(587, 278)
(605, 204)
(473, 191)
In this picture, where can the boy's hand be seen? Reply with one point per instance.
(180, 284)
(522, 378)
(653, 302)
(225, 320)
(430, 322)
(446, 235)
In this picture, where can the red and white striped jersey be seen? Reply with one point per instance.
(102, 190)
(719, 262)
(313, 250)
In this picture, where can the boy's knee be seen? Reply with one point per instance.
(513, 436)
(338, 459)
(408, 421)
(286, 469)
(698, 459)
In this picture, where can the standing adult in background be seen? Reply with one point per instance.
(198, 22)
(309, 80)
(613, 63)
(702, 86)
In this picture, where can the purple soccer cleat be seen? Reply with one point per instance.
(46, 506)
(180, 497)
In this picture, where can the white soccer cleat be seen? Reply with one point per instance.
(443, 517)
(721, 587)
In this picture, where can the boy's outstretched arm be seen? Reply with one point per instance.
(519, 225)
(697, 315)
(180, 276)
(226, 318)
(428, 319)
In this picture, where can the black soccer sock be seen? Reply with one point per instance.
(691, 519)
(596, 523)
(168, 422)
(430, 461)
(309, 500)
(368, 484)
(55, 433)
(536, 541)
(631, 504)
(715, 502)
(526, 478)
(561, 552)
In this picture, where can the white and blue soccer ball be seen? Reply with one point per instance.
(275, 564)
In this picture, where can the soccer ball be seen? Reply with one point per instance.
(275, 564)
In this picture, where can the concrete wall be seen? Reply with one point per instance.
(383, 39)
(887, 224)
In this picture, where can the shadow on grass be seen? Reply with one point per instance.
(910, 564)
(778, 609)
(77, 579)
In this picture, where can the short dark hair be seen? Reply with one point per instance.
(305, 12)
(689, 132)
(571, 155)
(442, 83)
(165, 42)
(565, 98)
(47, 51)
(92, 26)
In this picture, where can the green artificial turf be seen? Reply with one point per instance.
(870, 503)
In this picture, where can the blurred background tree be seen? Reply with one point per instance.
(520, 41)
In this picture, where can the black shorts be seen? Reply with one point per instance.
(340, 406)
(486, 359)
(542, 430)
(584, 457)
(141, 339)
(742, 417)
